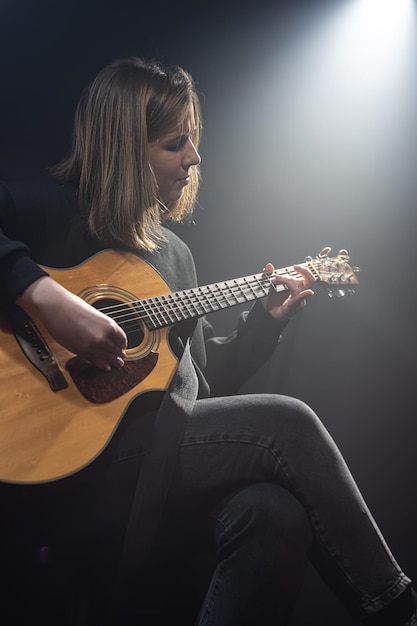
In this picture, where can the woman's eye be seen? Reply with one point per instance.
(177, 146)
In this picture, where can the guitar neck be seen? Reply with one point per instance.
(166, 310)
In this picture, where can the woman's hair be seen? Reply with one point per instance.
(129, 104)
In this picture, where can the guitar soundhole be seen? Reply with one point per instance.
(126, 316)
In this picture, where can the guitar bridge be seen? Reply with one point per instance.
(37, 350)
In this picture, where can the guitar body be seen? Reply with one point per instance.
(46, 434)
(57, 413)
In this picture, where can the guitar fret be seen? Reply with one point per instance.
(201, 304)
(229, 295)
(191, 302)
(163, 313)
(147, 314)
(215, 302)
(253, 293)
(185, 305)
(222, 297)
(156, 314)
(170, 303)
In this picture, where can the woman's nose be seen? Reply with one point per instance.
(192, 155)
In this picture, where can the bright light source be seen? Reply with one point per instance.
(335, 108)
(387, 9)
(374, 33)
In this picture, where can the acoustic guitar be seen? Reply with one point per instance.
(57, 412)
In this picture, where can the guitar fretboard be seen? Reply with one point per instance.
(168, 309)
(171, 308)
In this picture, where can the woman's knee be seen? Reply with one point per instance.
(295, 422)
(267, 516)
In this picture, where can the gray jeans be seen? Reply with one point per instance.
(234, 442)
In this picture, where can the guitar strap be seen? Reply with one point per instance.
(155, 474)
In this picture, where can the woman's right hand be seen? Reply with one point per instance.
(76, 325)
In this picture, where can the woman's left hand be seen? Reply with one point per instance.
(284, 304)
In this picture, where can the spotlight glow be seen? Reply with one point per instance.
(335, 108)
(387, 10)
(376, 31)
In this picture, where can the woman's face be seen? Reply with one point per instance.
(171, 157)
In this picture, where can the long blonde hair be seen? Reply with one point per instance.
(129, 103)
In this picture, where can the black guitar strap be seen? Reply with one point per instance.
(155, 474)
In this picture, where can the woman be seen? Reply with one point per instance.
(134, 164)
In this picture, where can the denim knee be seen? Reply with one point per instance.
(265, 518)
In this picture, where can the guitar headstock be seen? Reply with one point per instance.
(334, 272)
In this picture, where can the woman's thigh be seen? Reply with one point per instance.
(240, 440)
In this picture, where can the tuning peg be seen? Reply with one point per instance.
(337, 293)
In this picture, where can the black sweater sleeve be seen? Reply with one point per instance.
(17, 269)
(232, 360)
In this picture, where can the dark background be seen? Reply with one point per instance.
(302, 149)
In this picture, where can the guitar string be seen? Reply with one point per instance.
(167, 309)
(174, 307)
(237, 285)
(217, 293)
